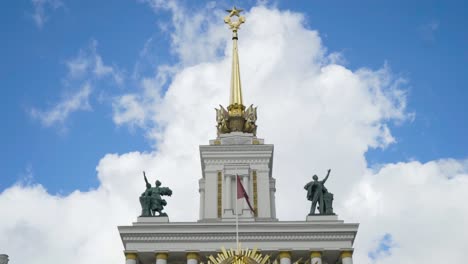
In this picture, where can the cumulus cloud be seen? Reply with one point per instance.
(417, 208)
(41, 8)
(89, 64)
(84, 70)
(187, 42)
(40, 227)
(61, 111)
(139, 108)
(319, 115)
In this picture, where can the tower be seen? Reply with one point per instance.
(237, 157)
(236, 151)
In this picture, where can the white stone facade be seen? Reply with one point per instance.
(320, 239)
(331, 237)
(237, 154)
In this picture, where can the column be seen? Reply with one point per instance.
(245, 183)
(346, 257)
(227, 189)
(202, 203)
(272, 198)
(315, 257)
(285, 257)
(192, 258)
(130, 258)
(161, 258)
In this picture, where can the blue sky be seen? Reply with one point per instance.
(45, 42)
(424, 42)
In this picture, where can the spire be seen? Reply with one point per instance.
(237, 118)
(236, 89)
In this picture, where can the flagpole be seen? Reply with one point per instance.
(237, 216)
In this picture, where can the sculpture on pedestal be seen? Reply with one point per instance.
(317, 193)
(222, 117)
(250, 116)
(3, 259)
(151, 201)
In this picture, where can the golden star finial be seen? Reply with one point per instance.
(234, 25)
(234, 11)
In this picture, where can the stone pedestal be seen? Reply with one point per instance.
(322, 218)
(237, 138)
(153, 219)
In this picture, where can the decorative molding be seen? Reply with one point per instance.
(250, 237)
(255, 193)
(193, 255)
(315, 254)
(220, 194)
(346, 254)
(240, 148)
(162, 255)
(130, 256)
(220, 160)
(201, 185)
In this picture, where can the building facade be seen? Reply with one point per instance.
(238, 155)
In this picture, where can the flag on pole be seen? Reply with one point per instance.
(241, 193)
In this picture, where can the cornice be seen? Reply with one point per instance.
(239, 160)
(265, 226)
(249, 237)
(239, 148)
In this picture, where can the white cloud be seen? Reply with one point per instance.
(60, 112)
(41, 8)
(89, 64)
(318, 114)
(84, 70)
(187, 42)
(421, 205)
(127, 109)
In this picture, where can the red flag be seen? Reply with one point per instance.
(241, 193)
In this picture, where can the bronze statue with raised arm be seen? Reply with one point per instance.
(318, 193)
(151, 201)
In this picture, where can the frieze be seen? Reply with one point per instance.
(226, 161)
(240, 148)
(215, 237)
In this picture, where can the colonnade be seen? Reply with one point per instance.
(161, 258)
(229, 199)
(346, 257)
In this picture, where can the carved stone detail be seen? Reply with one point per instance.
(317, 236)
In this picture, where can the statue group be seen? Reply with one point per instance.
(319, 195)
(152, 204)
(249, 117)
(151, 201)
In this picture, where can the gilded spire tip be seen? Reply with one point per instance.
(234, 25)
(237, 118)
(236, 91)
